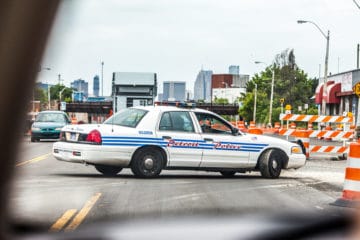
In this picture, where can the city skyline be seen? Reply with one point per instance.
(142, 36)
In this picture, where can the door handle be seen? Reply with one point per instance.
(166, 137)
(208, 139)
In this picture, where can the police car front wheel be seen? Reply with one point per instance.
(270, 163)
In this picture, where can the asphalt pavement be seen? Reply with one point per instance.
(63, 196)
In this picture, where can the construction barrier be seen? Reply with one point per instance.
(315, 118)
(351, 191)
(305, 135)
(252, 125)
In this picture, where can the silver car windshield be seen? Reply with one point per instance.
(129, 117)
(51, 117)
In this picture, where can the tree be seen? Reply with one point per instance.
(290, 83)
(40, 95)
(65, 96)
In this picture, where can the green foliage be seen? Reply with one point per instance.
(66, 94)
(221, 100)
(290, 83)
(40, 95)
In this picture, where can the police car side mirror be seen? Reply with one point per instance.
(235, 131)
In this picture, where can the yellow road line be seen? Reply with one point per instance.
(63, 220)
(83, 212)
(42, 157)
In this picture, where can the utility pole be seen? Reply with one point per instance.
(327, 37)
(357, 58)
(254, 113)
(102, 78)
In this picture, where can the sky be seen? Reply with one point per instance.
(178, 38)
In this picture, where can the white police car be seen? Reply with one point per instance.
(149, 139)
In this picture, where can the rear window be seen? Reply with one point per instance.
(129, 117)
(51, 117)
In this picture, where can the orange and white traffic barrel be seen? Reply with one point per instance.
(351, 192)
(241, 125)
(310, 126)
(277, 125)
(328, 128)
(252, 125)
(293, 125)
(257, 131)
(73, 120)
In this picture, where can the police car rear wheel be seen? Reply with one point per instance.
(228, 173)
(270, 164)
(108, 170)
(147, 163)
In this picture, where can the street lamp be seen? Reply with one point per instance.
(356, 4)
(48, 90)
(272, 89)
(327, 37)
(60, 93)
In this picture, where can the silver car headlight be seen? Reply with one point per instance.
(35, 129)
(58, 129)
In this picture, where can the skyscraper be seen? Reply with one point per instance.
(96, 86)
(174, 91)
(202, 86)
(80, 86)
(235, 70)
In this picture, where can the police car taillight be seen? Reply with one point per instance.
(94, 136)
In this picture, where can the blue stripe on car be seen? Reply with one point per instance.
(142, 141)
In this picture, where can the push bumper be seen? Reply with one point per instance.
(296, 161)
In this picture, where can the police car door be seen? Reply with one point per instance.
(177, 130)
(221, 148)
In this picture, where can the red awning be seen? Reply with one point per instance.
(319, 93)
(332, 89)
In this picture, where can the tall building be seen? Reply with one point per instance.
(202, 86)
(96, 86)
(240, 80)
(134, 89)
(174, 91)
(229, 86)
(81, 89)
(222, 80)
(235, 70)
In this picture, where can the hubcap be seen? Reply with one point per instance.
(274, 164)
(149, 163)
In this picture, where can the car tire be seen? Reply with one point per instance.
(270, 164)
(108, 170)
(228, 173)
(147, 163)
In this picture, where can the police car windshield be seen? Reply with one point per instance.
(129, 117)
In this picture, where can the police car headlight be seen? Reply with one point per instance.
(296, 150)
(35, 129)
(58, 129)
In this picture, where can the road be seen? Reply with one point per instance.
(63, 196)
